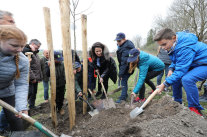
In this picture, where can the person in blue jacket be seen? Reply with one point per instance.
(189, 65)
(149, 67)
(124, 46)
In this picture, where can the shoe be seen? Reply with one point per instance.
(103, 96)
(139, 100)
(204, 99)
(118, 101)
(62, 111)
(196, 111)
(151, 92)
(46, 101)
(34, 107)
(98, 93)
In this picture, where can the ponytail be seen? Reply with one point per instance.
(17, 66)
(132, 66)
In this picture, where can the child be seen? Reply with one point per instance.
(14, 71)
(149, 67)
(60, 80)
(189, 65)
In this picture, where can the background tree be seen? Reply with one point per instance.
(137, 41)
(186, 15)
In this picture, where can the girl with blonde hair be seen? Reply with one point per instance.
(14, 70)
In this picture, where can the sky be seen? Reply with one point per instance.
(105, 18)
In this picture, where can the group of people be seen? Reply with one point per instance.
(187, 66)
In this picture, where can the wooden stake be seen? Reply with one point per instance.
(67, 54)
(85, 59)
(52, 65)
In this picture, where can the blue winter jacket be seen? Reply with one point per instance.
(122, 55)
(187, 54)
(147, 63)
(10, 86)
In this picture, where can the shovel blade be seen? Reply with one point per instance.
(94, 112)
(135, 112)
(109, 103)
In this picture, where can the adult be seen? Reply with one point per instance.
(35, 75)
(6, 18)
(124, 46)
(45, 80)
(104, 65)
(13, 73)
(189, 59)
(149, 67)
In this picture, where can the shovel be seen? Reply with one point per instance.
(135, 112)
(109, 102)
(96, 103)
(93, 111)
(35, 123)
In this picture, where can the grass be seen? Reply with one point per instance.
(112, 86)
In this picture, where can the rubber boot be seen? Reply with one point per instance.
(203, 98)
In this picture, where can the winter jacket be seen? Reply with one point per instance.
(42, 62)
(163, 55)
(147, 63)
(10, 86)
(122, 55)
(59, 73)
(79, 81)
(35, 67)
(188, 53)
(91, 75)
(107, 66)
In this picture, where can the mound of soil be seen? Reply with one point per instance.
(163, 117)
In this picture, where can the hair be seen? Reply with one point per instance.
(96, 45)
(132, 66)
(35, 41)
(3, 13)
(165, 33)
(11, 32)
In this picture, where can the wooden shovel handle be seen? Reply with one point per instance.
(102, 85)
(149, 98)
(94, 98)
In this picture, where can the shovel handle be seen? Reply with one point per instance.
(102, 86)
(29, 119)
(149, 98)
(94, 98)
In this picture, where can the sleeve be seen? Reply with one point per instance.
(172, 66)
(47, 69)
(77, 87)
(143, 69)
(184, 60)
(21, 88)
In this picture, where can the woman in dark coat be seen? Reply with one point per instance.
(104, 64)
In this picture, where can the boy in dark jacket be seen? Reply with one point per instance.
(60, 80)
(124, 46)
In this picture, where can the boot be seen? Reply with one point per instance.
(98, 93)
(203, 98)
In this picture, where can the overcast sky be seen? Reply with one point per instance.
(106, 19)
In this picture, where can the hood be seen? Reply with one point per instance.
(105, 52)
(185, 40)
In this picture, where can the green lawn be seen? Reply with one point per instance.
(112, 86)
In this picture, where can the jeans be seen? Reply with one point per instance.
(124, 83)
(16, 124)
(32, 94)
(3, 122)
(189, 81)
(159, 77)
(46, 88)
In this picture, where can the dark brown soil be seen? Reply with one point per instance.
(162, 117)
